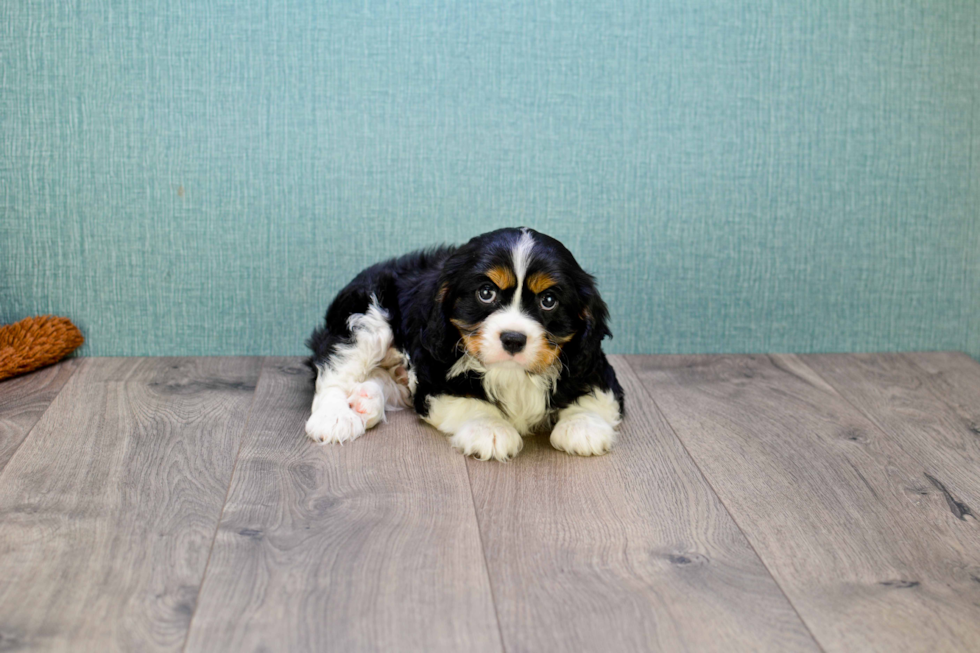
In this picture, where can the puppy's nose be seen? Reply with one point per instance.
(513, 341)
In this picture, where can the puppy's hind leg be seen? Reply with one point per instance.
(332, 419)
(367, 399)
(347, 400)
(388, 387)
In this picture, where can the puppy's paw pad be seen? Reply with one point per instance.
(585, 434)
(368, 401)
(487, 438)
(334, 425)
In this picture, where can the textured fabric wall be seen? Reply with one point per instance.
(200, 177)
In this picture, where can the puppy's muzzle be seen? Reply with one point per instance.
(513, 341)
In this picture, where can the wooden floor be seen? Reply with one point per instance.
(756, 503)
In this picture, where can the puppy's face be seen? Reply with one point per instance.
(515, 299)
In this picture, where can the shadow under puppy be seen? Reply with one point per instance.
(489, 341)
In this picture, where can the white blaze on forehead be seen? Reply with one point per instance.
(521, 256)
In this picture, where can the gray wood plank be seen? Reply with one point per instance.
(832, 505)
(108, 510)
(628, 552)
(23, 399)
(954, 377)
(369, 546)
(894, 394)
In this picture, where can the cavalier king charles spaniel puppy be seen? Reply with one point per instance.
(489, 342)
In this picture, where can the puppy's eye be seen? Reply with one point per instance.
(486, 294)
(548, 301)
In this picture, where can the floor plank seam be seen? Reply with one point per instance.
(27, 437)
(486, 563)
(707, 481)
(221, 515)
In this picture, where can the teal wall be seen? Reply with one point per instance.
(187, 177)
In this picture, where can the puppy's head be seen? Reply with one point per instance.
(515, 297)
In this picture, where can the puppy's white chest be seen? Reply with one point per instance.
(524, 398)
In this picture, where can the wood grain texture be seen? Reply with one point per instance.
(954, 377)
(369, 546)
(833, 506)
(628, 552)
(24, 399)
(108, 510)
(894, 394)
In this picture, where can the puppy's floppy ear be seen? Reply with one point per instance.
(439, 336)
(595, 318)
(437, 333)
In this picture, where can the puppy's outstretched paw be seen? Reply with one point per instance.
(584, 434)
(334, 424)
(486, 438)
(368, 401)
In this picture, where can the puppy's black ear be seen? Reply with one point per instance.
(439, 337)
(587, 352)
(436, 337)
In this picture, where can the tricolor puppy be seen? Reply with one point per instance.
(489, 342)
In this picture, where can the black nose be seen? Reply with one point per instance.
(513, 341)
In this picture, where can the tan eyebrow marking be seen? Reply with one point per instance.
(503, 277)
(540, 281)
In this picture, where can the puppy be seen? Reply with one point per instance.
(489, 342)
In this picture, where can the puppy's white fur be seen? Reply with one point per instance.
(476, 428)
(588, 426)
(523, 396)
(361, 380)
(521, 257)
(510, 319)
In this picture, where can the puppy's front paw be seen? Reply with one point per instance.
(334, 424)
(487, 438)
(584, 434)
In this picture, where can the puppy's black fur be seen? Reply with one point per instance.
(423, 290)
